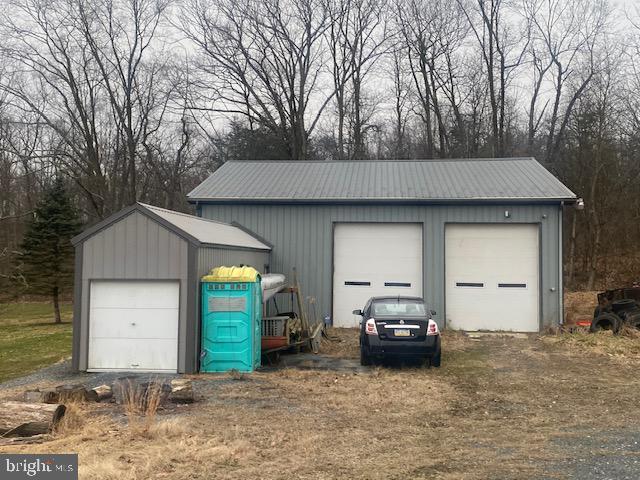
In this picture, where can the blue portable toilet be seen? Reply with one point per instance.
(231, 320)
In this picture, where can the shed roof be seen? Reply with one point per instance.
(487, 179)
(194, 229)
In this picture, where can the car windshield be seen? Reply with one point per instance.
(398, 307)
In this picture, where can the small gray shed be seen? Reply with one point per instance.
(136, 287)
(479, 239)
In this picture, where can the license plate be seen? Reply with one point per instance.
(403, 332)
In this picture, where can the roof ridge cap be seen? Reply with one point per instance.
(195, 217)
(390, 160)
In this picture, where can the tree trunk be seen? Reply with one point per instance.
(56, 304)
(593, 261)
(358, 140)
(341, 115)
(572, 250)
(26, 419)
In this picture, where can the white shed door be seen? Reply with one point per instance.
(374, 259)
(133, 325)
(492, 277)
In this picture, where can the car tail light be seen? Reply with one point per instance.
(432, 328)
(370, 327)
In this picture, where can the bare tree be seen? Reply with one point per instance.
(565, 34)
(431, 32)
(119, 35)
(502, 47)
(357, 38)
(83, 69)
(401, 102)
(263, 60)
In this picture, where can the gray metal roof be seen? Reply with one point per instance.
(195, 229)
(209, 231)
(520, 179)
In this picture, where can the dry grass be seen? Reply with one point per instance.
(579, 305)
(341, 342)
(169, 448)
(623, 346)
(140, 404)
(494, 410)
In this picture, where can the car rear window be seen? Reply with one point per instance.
(401, 307)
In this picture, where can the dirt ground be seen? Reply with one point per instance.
(557, 406)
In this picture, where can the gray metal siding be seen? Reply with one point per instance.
(302, 237)
(134, 248)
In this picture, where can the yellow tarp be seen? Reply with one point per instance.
(232, 274)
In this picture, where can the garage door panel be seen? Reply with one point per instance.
(133, 325)
(387, 256)
(160, 355)
(492, 255)
(133, 294)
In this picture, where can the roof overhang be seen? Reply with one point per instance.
(383, 201)
(137, 207)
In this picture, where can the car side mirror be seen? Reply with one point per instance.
(432, 312)
(357, 312)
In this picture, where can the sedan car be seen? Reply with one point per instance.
(398, 327)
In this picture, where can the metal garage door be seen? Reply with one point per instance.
(133, 325)
(492, 277)
(373, 259)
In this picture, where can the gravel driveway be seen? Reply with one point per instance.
(499, 408)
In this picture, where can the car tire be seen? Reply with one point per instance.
(435, 360)
(606, 321)
(365, 358)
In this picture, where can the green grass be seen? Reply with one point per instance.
(29, 339)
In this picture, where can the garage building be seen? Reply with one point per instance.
(479, 239)
(136, 287)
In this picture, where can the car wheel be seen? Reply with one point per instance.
(365, 358)
(606, 321)
(435, 359)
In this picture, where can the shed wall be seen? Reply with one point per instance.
(134, 248)
(302, 237)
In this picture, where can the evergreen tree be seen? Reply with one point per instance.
(46, 250)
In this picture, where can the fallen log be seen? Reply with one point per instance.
(181, 391)
(71, 393)
(41, 396)
(34, 439)
(98, 394)
(27, 419)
